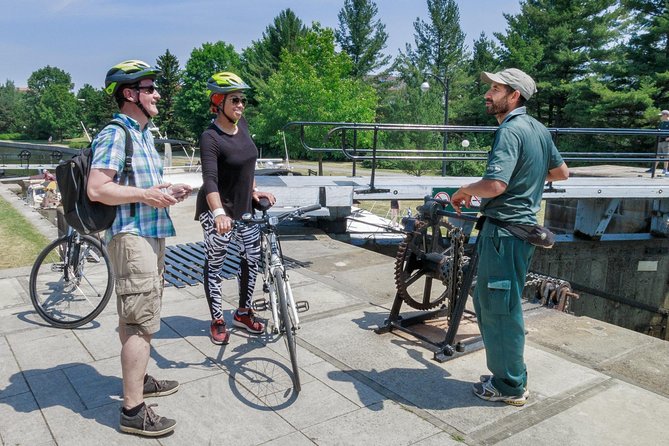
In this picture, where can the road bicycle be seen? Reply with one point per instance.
(283, 308)
(71, 280)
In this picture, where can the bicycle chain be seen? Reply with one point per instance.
(452, 280)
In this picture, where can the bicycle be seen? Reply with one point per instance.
(71, 280)
(276, 284)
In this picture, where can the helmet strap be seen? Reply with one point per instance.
(222, 109)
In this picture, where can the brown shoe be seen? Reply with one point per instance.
(154, 387)
(146, 423)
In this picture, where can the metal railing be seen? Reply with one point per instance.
(349, 135)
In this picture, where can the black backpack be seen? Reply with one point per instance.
(82, 214)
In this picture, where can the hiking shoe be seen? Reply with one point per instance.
(154, 387)
(486, 391)
(486, 378)
(218, 333)
(147, 423)
(248, 322)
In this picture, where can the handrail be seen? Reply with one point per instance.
(375, 153)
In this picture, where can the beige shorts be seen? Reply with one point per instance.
(663, 147)
(138, 264)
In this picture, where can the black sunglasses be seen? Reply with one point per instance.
(236, 100)
(150, 89)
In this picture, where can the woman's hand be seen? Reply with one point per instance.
(268, 195)
(223, 224)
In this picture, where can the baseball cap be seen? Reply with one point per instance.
(514, 78)
(664, 112)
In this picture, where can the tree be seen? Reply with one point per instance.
(362, 37)
(95, 108)
(560, 43)
(440, 46)
(169, 84)
(56, 113)
(261, 59)
(311, 84)
(50, 104)
(9, 107)
(438, 54)
(469, 109)
(648, 47)
(192, 102)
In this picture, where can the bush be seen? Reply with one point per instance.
(13, 136)
(78, 144)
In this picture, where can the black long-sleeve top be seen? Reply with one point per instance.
(228, 167)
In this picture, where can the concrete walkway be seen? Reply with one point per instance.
(591, 383)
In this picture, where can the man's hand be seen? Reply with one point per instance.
(460, 199)
(158, 197)
(180, 191)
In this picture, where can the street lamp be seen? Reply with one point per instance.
(425, 86)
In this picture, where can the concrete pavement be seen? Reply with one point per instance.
(591, 383)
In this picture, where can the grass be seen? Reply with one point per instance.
(20, 242)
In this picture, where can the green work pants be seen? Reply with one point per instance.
(503, 264)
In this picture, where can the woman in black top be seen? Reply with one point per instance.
(228, 156)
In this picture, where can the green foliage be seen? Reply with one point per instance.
(362, 37)
(440, 46)
(312, 84)
(560, 43)
(12, 136)
(169, 84)
(50, 105)
(10, 105)
(95, 108)
(261, 59)
(192, 102)
(469, 106)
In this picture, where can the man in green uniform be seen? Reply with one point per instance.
(523, 156)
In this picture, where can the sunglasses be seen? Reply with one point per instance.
(150, 89)
(236, 100)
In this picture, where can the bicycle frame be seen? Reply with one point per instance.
(273, 264)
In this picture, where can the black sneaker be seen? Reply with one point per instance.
(486, 391)
(486, 378)
(147, 423)
(153, 387)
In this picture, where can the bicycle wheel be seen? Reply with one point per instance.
(287, 327)
(69, 289)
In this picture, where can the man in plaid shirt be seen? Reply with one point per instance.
(136, 240)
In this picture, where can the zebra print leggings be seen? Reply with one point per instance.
(236, 251)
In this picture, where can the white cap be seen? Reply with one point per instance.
(664, 112)
(514, 78)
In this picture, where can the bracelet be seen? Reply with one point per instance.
(218, 211)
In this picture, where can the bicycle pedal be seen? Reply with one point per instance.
(259, 305)
(302, 306)
(265, 288)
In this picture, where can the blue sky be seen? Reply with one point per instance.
(86, 37)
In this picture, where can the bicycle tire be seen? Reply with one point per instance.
(71, 303)
(288, 325)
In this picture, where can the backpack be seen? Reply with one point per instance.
(82, 214)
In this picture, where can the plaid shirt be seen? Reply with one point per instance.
(109, 153)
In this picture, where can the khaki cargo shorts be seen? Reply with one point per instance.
(663, 147)
(138, 264)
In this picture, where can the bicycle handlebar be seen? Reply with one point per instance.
(250, 219)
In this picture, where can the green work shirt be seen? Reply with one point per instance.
(522, 154)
